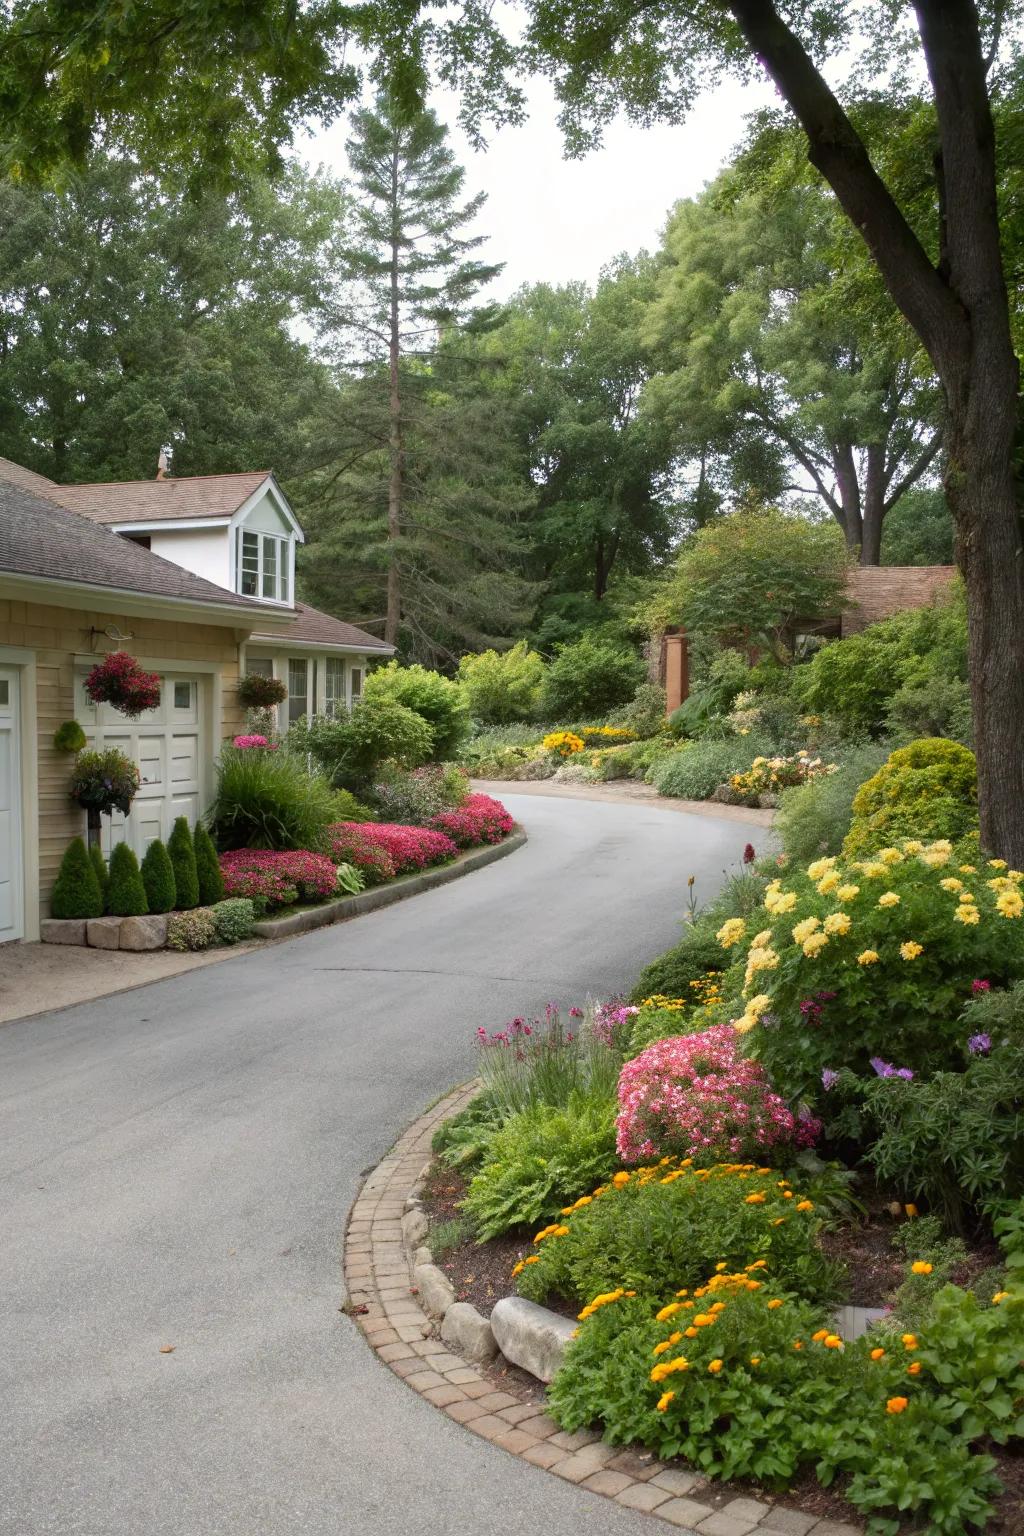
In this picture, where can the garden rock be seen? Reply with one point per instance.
(144, 932)
(415, 1227)
(104, 932)
(768, 802)
(468, 1334)
(531, 1336)
(436, 1291)
(422, 1255)
(536, 768)
(62, 930)
(726, 795)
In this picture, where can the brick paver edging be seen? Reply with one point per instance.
(384, 1305)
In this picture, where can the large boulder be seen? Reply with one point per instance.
(531, 1336)
(415, 1227)
(144, 932)
(62, 930)
(468, 1334)
(104, 932)
(436, 1291)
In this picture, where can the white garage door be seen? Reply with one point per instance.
(11, 871)
(167, 743)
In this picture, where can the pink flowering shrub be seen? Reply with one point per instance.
(274, 879)
(479, 819)
(407, 848)
(244, 742)
(697, 1096)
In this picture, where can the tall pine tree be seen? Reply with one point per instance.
(413, 509)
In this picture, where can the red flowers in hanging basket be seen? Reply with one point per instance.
(119, 681)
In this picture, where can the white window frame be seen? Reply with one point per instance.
(283, 560)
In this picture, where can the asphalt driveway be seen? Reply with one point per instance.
(176, 1164)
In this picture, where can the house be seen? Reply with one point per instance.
(196, 578)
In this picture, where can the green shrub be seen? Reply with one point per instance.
(76, 892)
(158, 878)
(539, 1159)
(182, 855)
(932, 706)
(350, 748)
(673, 973)
(656, 1230)
(502, 686)
(69, 737)
(126, 893)
(211, 882)
(193, 930)
(99, 864)
(348, 808)
(462, 1141)
(416, 797)
(644, 715)
(695, 771)
(234, 919)
(350, 880)
(268, 800)
(589, 678)
(815, 817)
(928, 789)
(436, 699)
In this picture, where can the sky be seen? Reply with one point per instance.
(551, 219)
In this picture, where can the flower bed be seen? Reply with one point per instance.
(278, 879)
(368, 845)
(479, 819)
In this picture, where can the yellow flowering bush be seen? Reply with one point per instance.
(659, 1017)
(769, 775)
(866, 964)
(562, 743)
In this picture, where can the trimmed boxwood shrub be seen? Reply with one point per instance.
(158, 878)
(192, 930)
(211, 883)
(183, 862)
(126, 894)
(926, 790)
(234, 919)
(76, 893)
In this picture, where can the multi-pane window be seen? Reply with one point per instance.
(263, 566)
(357, 684)
(298, 689)
(334, 686)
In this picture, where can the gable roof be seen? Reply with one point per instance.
(313, 628)
(51, 543)
(153, 501)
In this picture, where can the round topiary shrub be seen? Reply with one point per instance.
(234, 919)
(192, 930)
(76, 893)
(926, 790)
(258, 692)
(69, 737)
(211, 882)
(183, 862)
(126, 894)
(158, 878)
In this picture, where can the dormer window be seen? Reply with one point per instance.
(263, 566)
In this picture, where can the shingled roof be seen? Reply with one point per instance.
(155, 501)
(39, 538)
(312, 627)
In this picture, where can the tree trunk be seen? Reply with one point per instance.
(874, 506)
(395, 448)
(844, 468)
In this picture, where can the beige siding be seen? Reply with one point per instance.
(57, 635)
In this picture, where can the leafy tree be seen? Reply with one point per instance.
(502, 686)
(746, 579)
(946, 276)
(919, 530)
(766, 360)
(126, 893)
(133, 317)
(411, 492)
(158, 878)
(183, 862)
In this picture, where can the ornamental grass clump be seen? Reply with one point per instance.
(546, 1061)
(657, 1228)
(269, 800)
(698, 1096)
(854, 960)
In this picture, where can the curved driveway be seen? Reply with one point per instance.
(176, 1164)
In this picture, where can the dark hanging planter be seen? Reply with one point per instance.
(258, 692)
(103, 782)
(119, 681)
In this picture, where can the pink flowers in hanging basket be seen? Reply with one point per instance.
(119, 681)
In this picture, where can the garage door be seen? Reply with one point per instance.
(168, 744)
(11, 871)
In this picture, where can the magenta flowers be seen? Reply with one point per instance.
(698, 1096)
(479, 819)
(368, 844)
(278, 878)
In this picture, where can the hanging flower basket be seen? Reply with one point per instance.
(104, 782)
(119, 681)
(258, 692)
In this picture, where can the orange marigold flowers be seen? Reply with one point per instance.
(820, 1336)
(755, 1359)
(805, 1205)
(774, 1304)
(999, 1296)
(834, 1341)
(755, 1199)
(915, 1369)
(878, 1354)
(920, 1267)
(533, 1259)
(909, 1340)
(518, 1269)
(911, 1210)
(667, 1312)
(798, 1343)
(714, 1366)
(897, 1404)
(664, 1400)
(620, 1178)
(691, 1332)
(669, 1368)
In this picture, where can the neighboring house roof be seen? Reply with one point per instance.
(154, 501)
(313, 628)
(878, 591)
(42, 540)
(17, 474)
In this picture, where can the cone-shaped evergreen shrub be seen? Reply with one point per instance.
(99, 864)
(158, 878)
(183, 862)
(126, 894)
(77, 891)
(211, 882)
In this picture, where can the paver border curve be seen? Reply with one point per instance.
(383, 1304)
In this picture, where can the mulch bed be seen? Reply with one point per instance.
(481, 1274)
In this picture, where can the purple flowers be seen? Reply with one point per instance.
(886, 1069)
(829, 1078)
(979, 1045)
